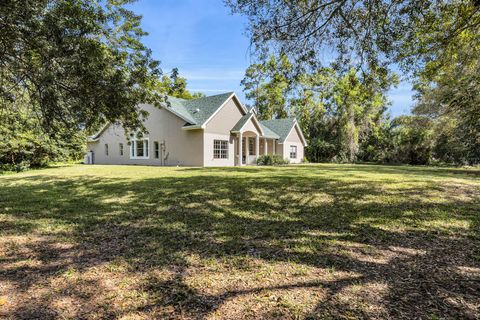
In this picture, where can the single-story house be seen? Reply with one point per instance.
(210, 131)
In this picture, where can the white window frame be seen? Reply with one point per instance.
(133, 148)
(295, 152)
(220, 149)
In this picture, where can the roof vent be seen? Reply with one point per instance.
(197, 110)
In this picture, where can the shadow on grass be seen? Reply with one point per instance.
(274, 215)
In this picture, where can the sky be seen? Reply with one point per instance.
(209, 46)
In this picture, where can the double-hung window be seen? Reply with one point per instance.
(220, 149)
(293, 152)
(139, 149)
(106, 149)
(120, 146)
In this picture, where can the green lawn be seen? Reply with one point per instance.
(314, 241)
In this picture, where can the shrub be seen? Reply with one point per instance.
(271, 160)
(264, 160)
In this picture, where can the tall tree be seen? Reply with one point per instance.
(449, 92)
(335, 109)
(267, 84)
(80, 62)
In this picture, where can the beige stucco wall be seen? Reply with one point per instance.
(225, 119)
(293, 139)
(218, 128)
(184, 147)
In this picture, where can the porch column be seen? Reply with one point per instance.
(257, 146)
(274, 142)
(265, 145)
(240, 150)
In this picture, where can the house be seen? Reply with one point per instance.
(210, 131)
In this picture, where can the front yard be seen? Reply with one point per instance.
(313, 241)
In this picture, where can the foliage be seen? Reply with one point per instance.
(267, 84)
(25, 144)
(449, 93)
(367, 33)
(80, 62)
(176, 86)
(437, 42)
(412, 140)
(335, 110)
(271, 160)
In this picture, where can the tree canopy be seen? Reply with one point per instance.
(80, 62)
(367, 33)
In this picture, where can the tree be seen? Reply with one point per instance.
(335, 109)
(353, 106)
(267, 84)
(412, 139)
(24, 143)
(176, 86)
(80, 62)
(449, 94)
(367, 33)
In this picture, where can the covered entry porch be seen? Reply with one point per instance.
(251, 141)
(249, 146)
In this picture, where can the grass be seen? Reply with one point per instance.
(298, 242)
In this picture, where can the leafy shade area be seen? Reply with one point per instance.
(314, 241)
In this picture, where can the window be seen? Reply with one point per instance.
(220, 149)
(120, 146)
(293, 152)
(156, 149)
(251, 146)
(106, 149)
(139, 149)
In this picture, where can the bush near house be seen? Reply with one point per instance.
(271, 160)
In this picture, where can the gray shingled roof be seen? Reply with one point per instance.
(197, 111)
(281, 127)
(268, 133)
(241, 122)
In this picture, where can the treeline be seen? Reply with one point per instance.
(343, 107)
(344, 114)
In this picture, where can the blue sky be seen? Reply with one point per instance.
(209, 46)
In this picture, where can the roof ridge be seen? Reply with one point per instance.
(215, 95)
(288, 118)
